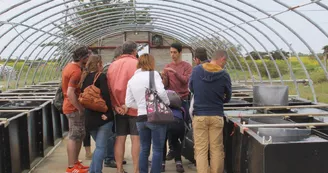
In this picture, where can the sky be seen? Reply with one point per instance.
(193, 19)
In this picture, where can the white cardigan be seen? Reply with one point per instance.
(136, 89)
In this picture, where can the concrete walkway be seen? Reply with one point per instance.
(56, 162)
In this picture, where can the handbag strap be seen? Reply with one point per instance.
(152, 81)
(96, 77)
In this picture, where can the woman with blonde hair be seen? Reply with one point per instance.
(97, 123)
(135, 98)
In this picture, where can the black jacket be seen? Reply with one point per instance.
(93, 118)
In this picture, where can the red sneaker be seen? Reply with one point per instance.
(75, 169)
(80, 166)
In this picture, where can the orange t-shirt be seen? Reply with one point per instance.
(71, 76)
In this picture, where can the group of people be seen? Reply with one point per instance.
(123, 89)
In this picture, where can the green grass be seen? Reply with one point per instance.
(29, 79)
(316, 73)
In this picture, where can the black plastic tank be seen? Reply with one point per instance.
(14, 143)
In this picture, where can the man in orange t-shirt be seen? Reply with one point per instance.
(118, 75)
(73, 109)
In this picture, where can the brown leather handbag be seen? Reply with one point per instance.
(91, 98)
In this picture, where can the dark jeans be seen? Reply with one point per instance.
(186, 106)
(175, 134)
(151, 134)
(87, 139)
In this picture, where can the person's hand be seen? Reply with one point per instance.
(119, 110)
(170, 69)
(125, 108)
(104, 117)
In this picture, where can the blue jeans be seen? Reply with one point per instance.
(100, 135)
(151, 134)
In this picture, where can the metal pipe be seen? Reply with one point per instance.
(291, 48)
(13, 93)
(277, 107)
(23, 99)
(278, 115)
(310, 125)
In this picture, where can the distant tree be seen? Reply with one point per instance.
(256, 55)
(277, 56)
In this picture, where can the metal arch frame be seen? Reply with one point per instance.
(233, 64)
(107, 4)
(35, 29)
(65, 60)
(223, 31)
(237, 33)
(104, 14)
(192, 13)
(112, 17)
(272, 42)
(49, 57)
(313, 91)
(264, 64)
(161, 28)
(201, 45)
(91, 40)
(99, 21)
(291, 48)
(318, 3)
(115, 12)
(21, 70)
(305, 43)
(250, 44)
(255, 38)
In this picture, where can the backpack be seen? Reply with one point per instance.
(59, 99)
(91, 98)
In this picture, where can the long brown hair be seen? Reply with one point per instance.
(91, 66)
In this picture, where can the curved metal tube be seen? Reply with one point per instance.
(182, 33)
(270, 40)
(291, 48)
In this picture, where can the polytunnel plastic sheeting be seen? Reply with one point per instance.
(263, 38)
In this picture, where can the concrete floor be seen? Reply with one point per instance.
(56, 162)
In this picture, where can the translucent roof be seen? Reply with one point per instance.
(37, 36)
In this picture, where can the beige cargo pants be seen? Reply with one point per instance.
(208, 136)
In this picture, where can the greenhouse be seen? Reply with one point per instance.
(276, 55)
